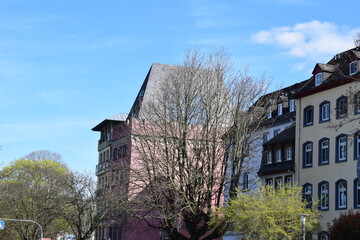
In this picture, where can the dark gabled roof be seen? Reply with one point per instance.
(338, 67)
(288, 135)
(114, 119)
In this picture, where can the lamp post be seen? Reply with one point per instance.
(31, 221)
(303, 219)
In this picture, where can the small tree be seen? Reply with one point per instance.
(268, 213)
(346, 226)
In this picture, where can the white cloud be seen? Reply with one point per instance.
(313, 40)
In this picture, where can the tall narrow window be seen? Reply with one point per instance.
(341, 194)
(324, 195)
(279, 108)
(357, 145)
(318, 79)
(307, 192)
(288, 153)
(269, 115)
(325, 111)
(266, 137)
(246, 181)
(341, 107)
(308, 115)
(324, 151)
(356, 193)
(307, 154)
(353, 67)
(269, 181)
(341, 148)
(268, 157)
(292, 105)
(278, 155)
(357, 103)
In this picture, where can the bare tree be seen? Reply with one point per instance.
(80, 210)
(190, 142)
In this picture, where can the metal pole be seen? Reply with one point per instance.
(303, 219)
(21, 220)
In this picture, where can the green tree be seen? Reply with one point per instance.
(346, 226)
(32, 189)
(268, 213)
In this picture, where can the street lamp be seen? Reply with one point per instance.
(303, 219)
(22, 220)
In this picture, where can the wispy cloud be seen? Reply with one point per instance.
(312, 40)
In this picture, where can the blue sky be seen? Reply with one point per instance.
(67, 65)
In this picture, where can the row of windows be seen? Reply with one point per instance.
(279, 180)
(353, 69)
(120, 152)
(280, 108)
(103, 156)
(341, 152)
(279, 156)
(341, 188)
(324, 110)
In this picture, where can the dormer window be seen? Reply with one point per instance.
(269, 113)
(318, 79)
(279, 108)
(292, 105)
(353, 67)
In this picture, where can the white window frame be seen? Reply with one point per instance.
(268, 157)
(354, 68)
(278, 155)
(266, 137)
(269, 115)
(308, 193)
(288, 153)
(323, 148)
(342, 195)
(269, 181)
(318, 79)
(325, 111)
(324, 196)
(279, 109)
(342, 148)
(292, 105)
(308, 154)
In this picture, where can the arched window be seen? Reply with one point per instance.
(341, 148)
(324, 111)
(307, 154)
(324, 151)
(308, 116)
(341, 194)
(324, 195)
(341, 107)
(307, 194)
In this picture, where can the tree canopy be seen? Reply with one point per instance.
(268, 213)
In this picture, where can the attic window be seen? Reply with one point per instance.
(353, 67)
(318, 79)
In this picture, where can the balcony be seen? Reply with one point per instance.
(102, 167)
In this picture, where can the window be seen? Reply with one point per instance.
(357, 145)
(357, 103)
(246, 181)
(276, 132)
(268, 157)
(341, 148)
(288, 179)
(122, 151)
(325, 111)
(279, 108)
(307, 194)
(356, 193)
(324, 151)
(278, 181)
(269, 113)
(269, 181)
(278, 155)
(292, 105)
(266, 137)
(318, 79)
(324, 195)
(308, 115)
(288, 153)
(341, 194)
(353, 67)
(307, 154)
(115, 155)
(341, 107)
(323, 235)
